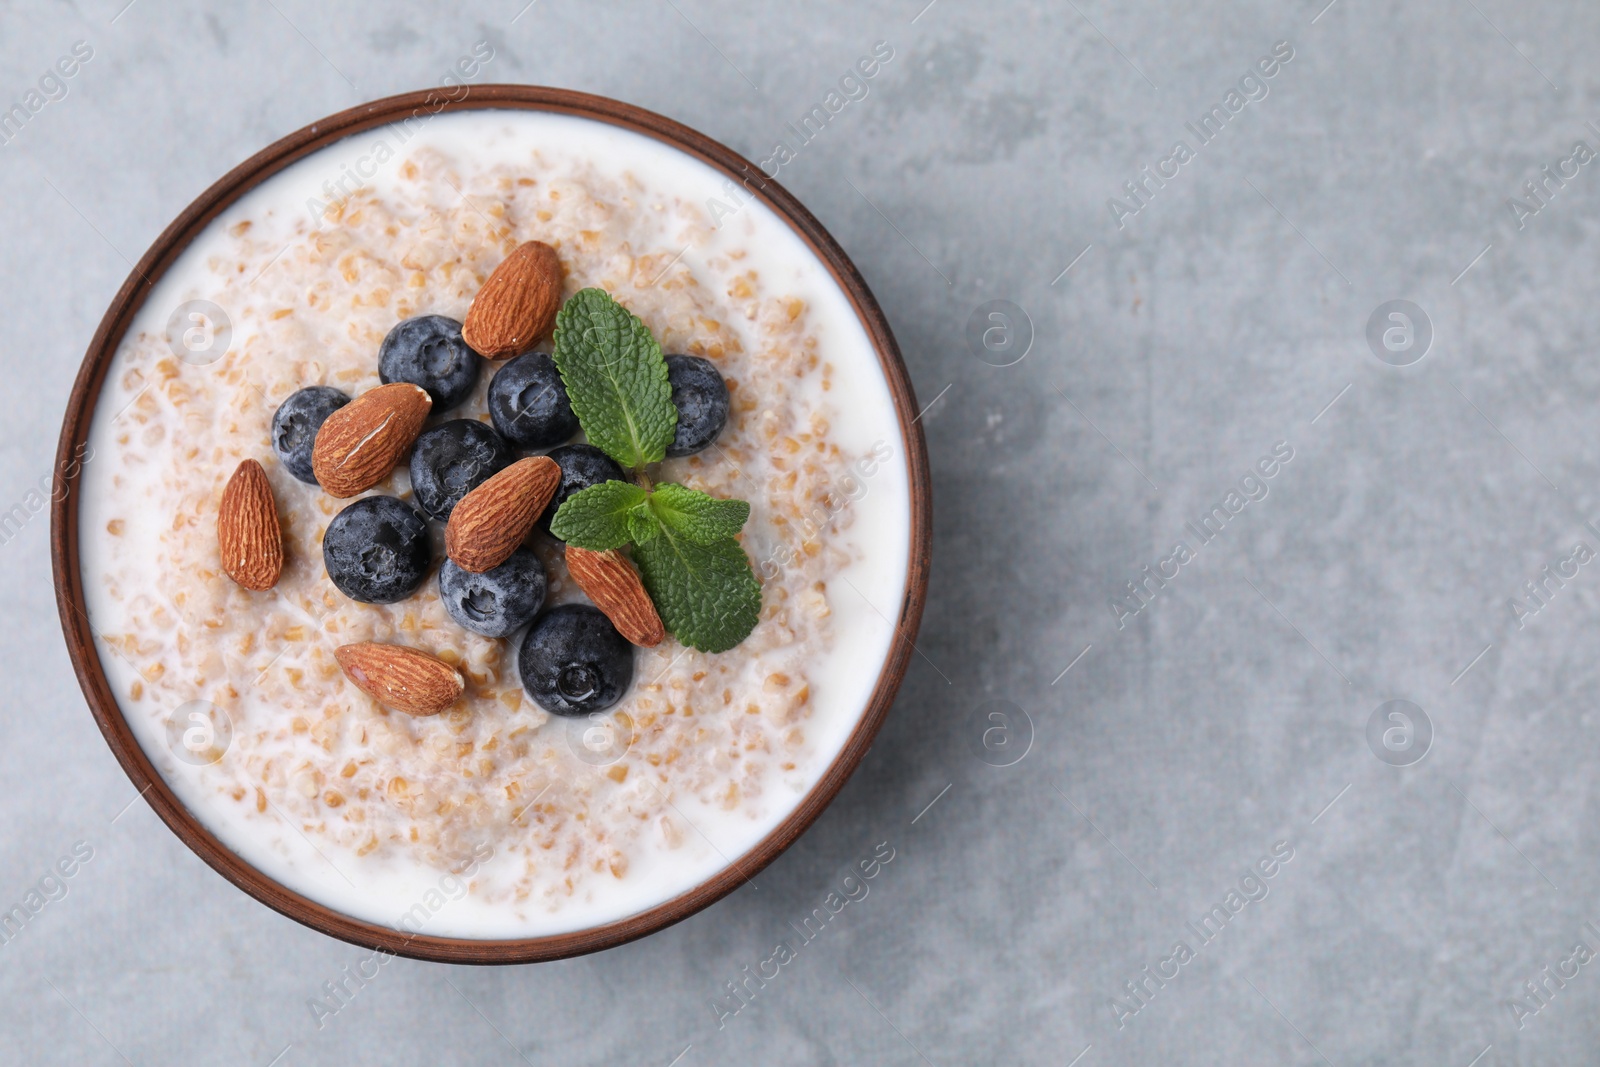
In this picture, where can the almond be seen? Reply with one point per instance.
(491, 521)
(611, 582)
(517, 305)
(406, 679)
(248, 535)
(360, 443)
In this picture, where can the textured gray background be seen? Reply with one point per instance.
(1228, 716)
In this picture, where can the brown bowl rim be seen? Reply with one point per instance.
(69, 585)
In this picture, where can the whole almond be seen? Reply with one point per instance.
(611, 582)
(492, 520)
(517, 305)
(406, 679)
(359, 444)
(248, 535)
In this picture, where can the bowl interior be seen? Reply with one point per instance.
(890, 596)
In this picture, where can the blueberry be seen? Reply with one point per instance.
(701, 397)
(428, 351)
(581, 466)
(295, 425)
(454, 458)
(377, 550)
(499, 601)
(529, 403)
(574, 662)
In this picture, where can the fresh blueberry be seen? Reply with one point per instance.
(701, 397)
(529, 403)
(574, 662)
(428, 351)
(454, 458)
(498, 602)
(295, 425)
(377, 550)
(581, 466)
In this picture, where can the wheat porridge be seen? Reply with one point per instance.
(485, 815)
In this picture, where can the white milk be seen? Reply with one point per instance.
(864, 598)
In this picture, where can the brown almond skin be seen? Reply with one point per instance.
(517, 305)
(609, 580)
(406, 679)
(359, 444)
(490, 522)
(249, 538)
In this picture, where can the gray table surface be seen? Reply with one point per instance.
(1223, 312)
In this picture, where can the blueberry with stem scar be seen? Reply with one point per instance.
(574, 662)
(377, 550)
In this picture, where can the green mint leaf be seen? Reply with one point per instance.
(598, 517)
(616, 378)
(642, 523)
(695, 515)
(707, 594)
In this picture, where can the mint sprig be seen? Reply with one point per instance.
(615, 377)
(684, 541)
(597, 517)
(697, 516)
(611, 514)
(695, 570)
(707, 594)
